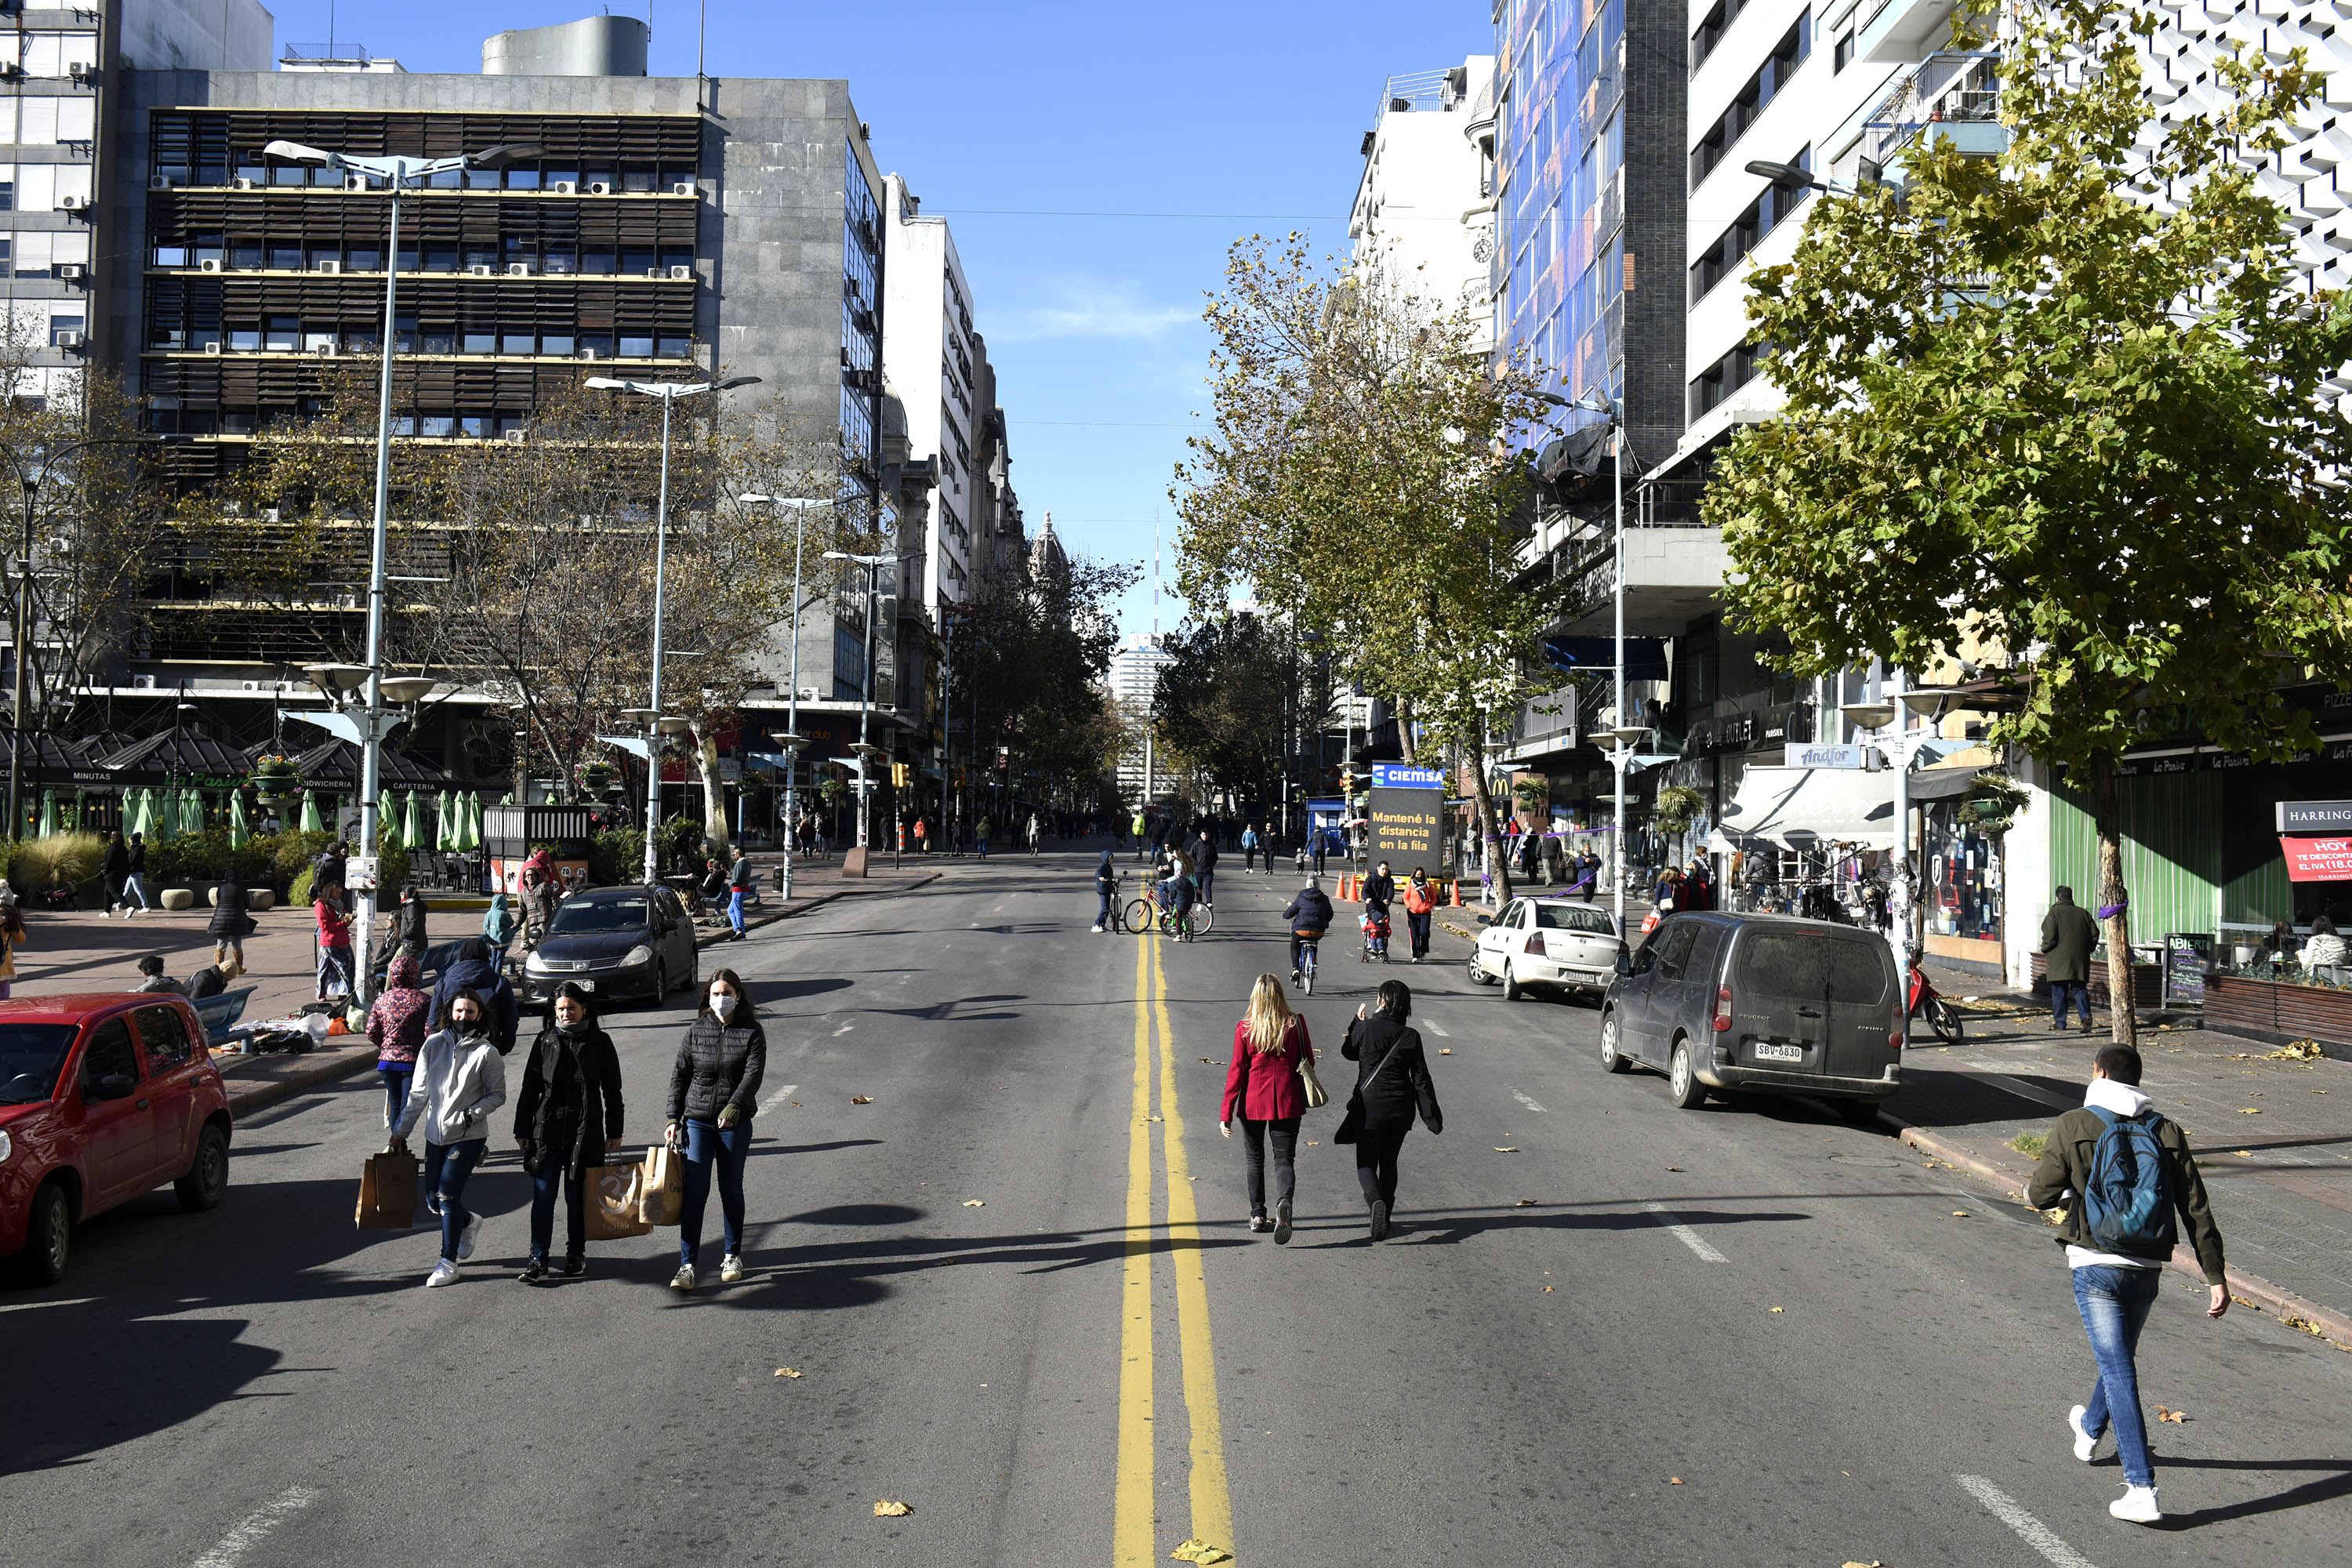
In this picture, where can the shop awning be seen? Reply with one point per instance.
(1810, 809)
(179, 756)
(1942, 784)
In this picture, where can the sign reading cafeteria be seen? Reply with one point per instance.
(1408, 809)
(2317, 859)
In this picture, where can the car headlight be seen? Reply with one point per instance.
(641, 954)
(535, 964)
(7, 1146)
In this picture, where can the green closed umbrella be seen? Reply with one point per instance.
(311, 823)
(473, 819)
(134, 811)
(412, 823)
(237, 832)
(165, 810)
(445, 825)
(192, 821)
(48, 813)
(387, 825)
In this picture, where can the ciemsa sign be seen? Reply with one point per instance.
(1408, 814)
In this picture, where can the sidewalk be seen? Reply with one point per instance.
(85, 951)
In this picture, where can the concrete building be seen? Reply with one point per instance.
(672, 228)
(1423, 202)
(1134, 681)
(927, 353)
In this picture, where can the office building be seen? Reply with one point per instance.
(1134, 682)
(1423, 208)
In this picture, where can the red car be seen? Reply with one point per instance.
(103, 1096)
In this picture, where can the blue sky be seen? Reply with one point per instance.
(994, 112)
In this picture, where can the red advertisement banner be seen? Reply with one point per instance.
(2317, 859)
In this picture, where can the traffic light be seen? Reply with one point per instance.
(901, 775)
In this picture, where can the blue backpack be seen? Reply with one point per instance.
(2127, 1207)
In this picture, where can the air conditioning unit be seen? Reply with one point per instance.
(252, 685)
(79, 70)
(600, 187)
(355, 182)
(213, 347)
(142, 683)
(324, 350)
(514, 438)
(70, 341)
(161, 181)
(72, 272)
(209, 264)
(481, 269)
(245, 183)
(564, 187)
(72, 204)
(586, 351)
(10, 70)
(683, 188)
(330, 268)
(518, 268)
(657, 272)
(681, 274)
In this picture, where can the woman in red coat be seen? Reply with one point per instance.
(1270, 1046)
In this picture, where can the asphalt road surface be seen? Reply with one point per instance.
(1021, 1299)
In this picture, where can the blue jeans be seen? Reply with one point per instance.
(573, 1180)
(1103, 896)
(2115, 1303)
(2064, 991)
(447, 1166)
(396, 1076)
(133, 888)
(735, 910)
(983, 848)
(1208, 881)
(707, 1144)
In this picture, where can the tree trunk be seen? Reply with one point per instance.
(1483, 793)
(2106, 816)
(714, 791)
(1404, 730)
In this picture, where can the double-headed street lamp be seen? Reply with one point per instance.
(866, 751)
(792, 741)
(398, 175)
(669, 392)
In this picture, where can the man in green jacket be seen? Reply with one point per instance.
(2115, 1290)
(2068, 934)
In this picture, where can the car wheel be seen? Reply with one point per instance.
(207, 1181)
(1477, 976)
(694, 972)
(49, 1235)
(1511, 991)
(1612, 1058)
(661, 983)
(1682, 1078)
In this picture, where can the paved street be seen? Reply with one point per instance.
(1606, 1332)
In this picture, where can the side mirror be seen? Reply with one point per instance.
(113, 1086)
(1624, 961)
(1486, 920)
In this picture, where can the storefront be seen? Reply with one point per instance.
(1961, 874)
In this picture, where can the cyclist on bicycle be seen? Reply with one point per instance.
(1180, 894)
(1309, 914)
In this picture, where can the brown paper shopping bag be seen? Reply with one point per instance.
(661, 1186)
(388, 1192)
(613, 1195)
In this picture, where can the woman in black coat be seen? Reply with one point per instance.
(1391, 1083)
(573, 1074)
(714, 1089)
(229, 928)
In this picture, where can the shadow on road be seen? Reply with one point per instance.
(2327, 1489)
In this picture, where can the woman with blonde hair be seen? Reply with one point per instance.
(1270, 1052)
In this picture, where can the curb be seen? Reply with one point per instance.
(813, 901)
(2247, 1290)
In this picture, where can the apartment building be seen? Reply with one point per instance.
(928, 356)
(1134, 681)
(1422, 215)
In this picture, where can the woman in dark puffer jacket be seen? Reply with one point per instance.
(713, 1091)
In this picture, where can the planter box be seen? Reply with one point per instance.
(2147, 981)
(178, 897)
(2268, 1007)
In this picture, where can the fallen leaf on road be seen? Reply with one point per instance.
(1776, 1309)
(1315, 1143)
(1525, 1203)
(2298, 1051)
(1200, 1552)
(1673, 1480)
(2175, 1416)
(2250, 1110)
(1151, 1119)
(1211, 1060)
(1511, 1149)
(1445, 1050)
(861, 1099)
(1959, 1213)
(1873, 1563)
(786, 1372)
(885, 1509)
(2243, 1154)
(1547, 1289)
(796, 1104)
(975, 1203)
(1674, 1167)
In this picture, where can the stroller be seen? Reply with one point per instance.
(1376, 937)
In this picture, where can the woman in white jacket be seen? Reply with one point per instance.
(460, 1080)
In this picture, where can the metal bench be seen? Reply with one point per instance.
(220, 1014)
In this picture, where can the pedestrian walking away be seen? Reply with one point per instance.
(981, 834)
(570, 1089)
(738, 891)
(115, 868)
(1263, 1087)
(396, 1026)
(461, 1078)
(2121, 1172)
(1420, 905)
(1391, 1084)
(2068, 934)
(135, 879)
(231, 924)
(1105, 890)
(714, 1089)
(475, 970)
(499, 925)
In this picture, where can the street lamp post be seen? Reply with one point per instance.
(669, 392)
(793, 741)
(398, 173)
(866, 750)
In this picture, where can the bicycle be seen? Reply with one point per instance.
(1308, 942)
(1138, 915)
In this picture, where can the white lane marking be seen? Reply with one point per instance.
(1685, 1234)
(777, 1099)
(2030, 1529)
(1436, 1028)
(1523, 1099)
(249, 1533)
(843, 1030)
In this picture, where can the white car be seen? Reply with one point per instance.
(1547, 942)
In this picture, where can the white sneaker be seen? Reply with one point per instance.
(1098, 931)
(2084, 1444)
(466, 1237)
(683, 1280)
(2137, 1504)
(444, 1273)
(730, 1271)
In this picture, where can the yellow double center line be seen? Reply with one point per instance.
(1133, 1542)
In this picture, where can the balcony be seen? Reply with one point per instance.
(1953, 97)
(1893, 31)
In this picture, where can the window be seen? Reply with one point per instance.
(848, 664)
(243, 340)
(1674, 948)
(480, 343)
(1553, 916)
(1721, 379)
(558, 345)
(1717, 23)
(1773, 75)
(165, 1035)
(1843, 55)
(7, 196)
(108, 1053)
(279, 333)
(60, 325)
(517, 343)
(636, 348)
(1763, 215)
(1832, 969)
(30, 1057)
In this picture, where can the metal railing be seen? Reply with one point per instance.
(1952, 87)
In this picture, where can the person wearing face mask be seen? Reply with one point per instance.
(713, 1090)
(460, 1078)
(574, 1072)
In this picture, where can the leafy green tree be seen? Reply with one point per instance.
(1365, 477)
(2068, 404)
(1030, 653)
(1223, 700)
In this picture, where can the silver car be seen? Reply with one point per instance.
(1559, 942)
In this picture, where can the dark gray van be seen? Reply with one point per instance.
(1764, 1002)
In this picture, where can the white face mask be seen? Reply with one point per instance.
(723, 1004)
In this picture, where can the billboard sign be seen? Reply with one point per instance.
(1408, 815)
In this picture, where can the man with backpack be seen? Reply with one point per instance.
(2121, 1172)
